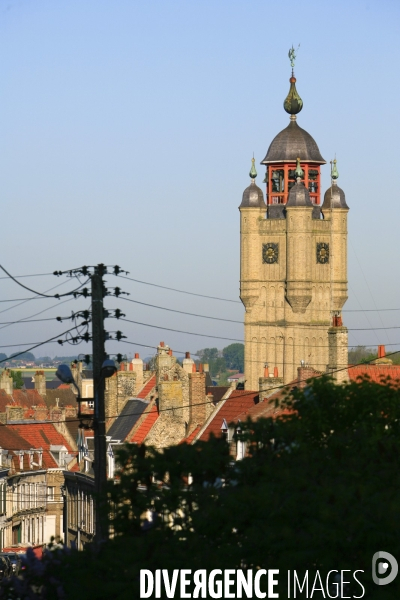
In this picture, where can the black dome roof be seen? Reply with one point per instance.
(291, 143)
(253, 197)
(334, 197)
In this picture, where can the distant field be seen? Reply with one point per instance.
(50, 373)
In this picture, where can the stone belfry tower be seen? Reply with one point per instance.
(293, 271)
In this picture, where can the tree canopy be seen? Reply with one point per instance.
(17, 379)
(318, 490)
(23, 356)
(234, 356)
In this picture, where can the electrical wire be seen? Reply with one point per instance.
(218, 337)
(37, 344)
(33, 275)
(39, 293)
(238, 301)
(163, 287)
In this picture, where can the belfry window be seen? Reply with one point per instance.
(278, 180)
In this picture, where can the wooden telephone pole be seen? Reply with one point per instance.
(99, 355)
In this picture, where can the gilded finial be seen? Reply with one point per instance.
(253, 172)
(299, 171)
(334, 171)
(293, 103)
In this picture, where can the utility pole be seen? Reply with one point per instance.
(99, 355)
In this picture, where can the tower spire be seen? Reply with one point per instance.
(293, 103)
(334, 171)
(253, 172)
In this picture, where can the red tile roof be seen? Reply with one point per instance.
(5, 400)
(189, 439)
(230, 409)
(150, 416)
(146, 389)
(40, 435)
(27, 398)
(376, 373)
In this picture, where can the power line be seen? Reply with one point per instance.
(163, 287)
(33, 275)
(24, 319)
(238, 301)
(218, 337)
(34, 291)
(27, 300)
(181, 312)
(37, 344)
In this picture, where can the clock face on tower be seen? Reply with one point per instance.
(322, 252)
(270, 253)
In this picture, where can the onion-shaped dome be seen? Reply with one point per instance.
(299, 195)
(293, 103)
(292, 142)
(334, 197)
(253, 196)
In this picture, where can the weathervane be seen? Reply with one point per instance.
(292, 55)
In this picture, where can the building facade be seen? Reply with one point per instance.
(293, 272)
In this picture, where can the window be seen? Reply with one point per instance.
(50, 493)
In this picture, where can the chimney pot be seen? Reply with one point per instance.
(266, 374)
(200, 368)
(276, 372)
(136, 354)
(194, 368)
(381, 351)
(187, 354)
(162, 344)
(170, 352)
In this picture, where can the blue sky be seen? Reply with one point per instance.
(126, 133)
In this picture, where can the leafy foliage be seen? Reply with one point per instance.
(319, 489)
(234, 356)
(361, 354)
(17, 379)
(23, 356)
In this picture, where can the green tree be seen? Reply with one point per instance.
(234, 356)
(23, 356)
(361, 354)
(17, 379)
(319, 490)
(208, 354)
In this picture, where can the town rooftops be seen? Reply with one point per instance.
(127, 419)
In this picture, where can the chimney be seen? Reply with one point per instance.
(6, 382)
(40, 383)
(14, 413)
(381, 351)
(137, 367)
(40, 413)
(200, 404)
(187, 363)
